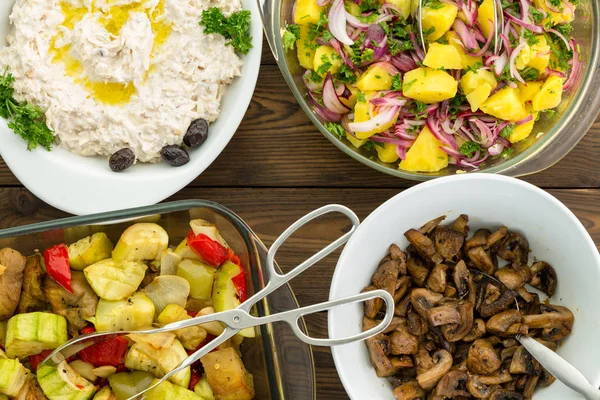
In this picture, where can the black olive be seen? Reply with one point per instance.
(196, 133)
(175, 155)
(121, 160)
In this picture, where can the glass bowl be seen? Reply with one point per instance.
(282, 365)
(561, 132)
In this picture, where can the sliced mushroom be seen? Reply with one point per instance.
(510, 278)
(457, 331)
(478, 389)
(372, 306)
(526, 296)
(508, 352)
(423, 360)
(402, 307)
(452, 385)
(424, 246)
(431, 225)
(460, 224)
(532, 382)
(482, 259)
(424, 299)
(492, 293)
(497, 236)
(448, 242)
(402, 286)
(409, 391)
(442, 361)
(546, 379)
(502, 394)
(450, 291)
(437, 279)
(510, 342)
(378, 347)
(400, 256)
(476, 332)
(524, 363)
(397, 322)
(385, 276)
(417, 270)
(504, 301)
(498, 378)
(464, 282)
(402, 342)
(446, 313)
(483, 359)
(514, 248)
(555, 321)
(479, 239)
(416, 324)
(501, 322)
(551, 345)
(32, 295)
(543, 278)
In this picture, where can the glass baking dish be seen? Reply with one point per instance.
(282, 365)
(562, 132)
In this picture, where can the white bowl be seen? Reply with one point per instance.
(85, 185)
(555, 235)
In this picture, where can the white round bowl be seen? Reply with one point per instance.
(555, 235)
(85, 185)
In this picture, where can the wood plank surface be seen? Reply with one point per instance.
(269, 211)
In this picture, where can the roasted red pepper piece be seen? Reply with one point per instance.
(194, 379)
(109, 352)
(38, 358)
(233, 258)
(240, 284)
(211, 251)
(57, 265)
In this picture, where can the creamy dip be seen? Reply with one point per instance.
(112, 74)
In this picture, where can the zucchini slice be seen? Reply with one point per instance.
(168, 391)
(63, 382)
(133, 313)
(105, 394)
(143, 357)
(12, 376)
(127, 384)
(32, 333)
(143, 241)
(200, 277)
(89, 250)
(204, 390)
(190, 337)
(115, 280)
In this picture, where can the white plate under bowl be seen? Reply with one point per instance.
(85, 185)
(554, 233)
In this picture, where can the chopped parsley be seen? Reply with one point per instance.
(443, 40)
(325, 65)
(355, 49)
(337, 129)
(407, 45)
(368, 5)
(561, 56)
(396, 83)
(530, 74)
(290, 36)
(530, 37)
(314, 76)
(408, 84)
(508, 5)
(393, 46)
(469, 148)
(475, 67)
(427, 32)
(25, 119)
(549, 113)
(345, 75)
(456, 102)
(565, 29)
(419, 107)
(361, 97)
(507, 130)
(536, 14)
(367, 55)
(317, 30)
(370, 145)
(507, 152)
(236, 28)
(556, 4)
(369, 19)
(433, 4)
(399, 30)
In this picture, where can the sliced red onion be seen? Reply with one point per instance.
(495, 149)
(311, 85)
(337, 22)
(389, 8)
(490, 60)
(433, 126)
(401, 152)
(526, 25)
(470, 10)
(556, 73)
(336, 45)
(465, 134)
(560, 35)
(478, 35)
(330, 97)
(576, 66)
(418, 50)
(487, 136)
(513, 69)
(385, 116)
(451, 152)
(355, 22)
(487, 43)
(446, 127)
(466, 36)
(322, 111)
(323, 3)
(504, 141)
(404, 62)
(525, 11)
(382, 102)
(383, 18)
(552, 8)
(345, 124)
(500, 64)
(473, 164)
(391, 140)
(506, 42)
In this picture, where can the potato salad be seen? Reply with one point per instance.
(432, 83)
(90, 285)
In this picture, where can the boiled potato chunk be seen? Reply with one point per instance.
(89, 250)
(442, 56)
(387, 153)
(474, 79)
(478, 96)
(403, 5)
(142, 241)
(429, 85)
(522, 131)
(307, 11)
(556, 18)
(539, 56)
(505, 104)
(529, 90)
(350, 102)
(355, 142)
(485, 17)
(550, 95)
(326, 54)
(466, 60)
(376, 77)
(362, 113)
(523, 58)
(425, 154)
(227, 375)
(440, 18)
(306, 55)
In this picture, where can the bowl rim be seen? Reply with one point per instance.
(384, 209)
(585, 99)
(86, 185)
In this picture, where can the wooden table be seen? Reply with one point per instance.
(279, 167)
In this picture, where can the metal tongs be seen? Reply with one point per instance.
(240, 318)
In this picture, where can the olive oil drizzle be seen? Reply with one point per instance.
(113, 20)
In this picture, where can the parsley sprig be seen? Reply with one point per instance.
(235, 28)
(25, 119)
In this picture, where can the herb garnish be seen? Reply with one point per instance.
(235, 28)
(469, 148)
(290, 36)
(337, 129)
(396, 83)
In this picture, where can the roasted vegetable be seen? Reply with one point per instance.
(63, 382)
(127, 384)
(115, 280)
(190, 337)
(169, 391)
(32, 296)
(105, 394)
(11, 281)
(204, 390)
(12, 376)
(225, 294)
(142, 241)
(144, 357)
(167, 289)
(29, 334)
(200, 277)
(169, 260)
(3, 333)
(134, 313)
(90, 250)
(56, 260)
(227, 375)
(185, 251)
